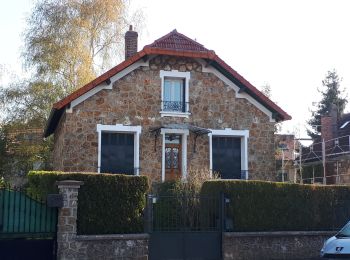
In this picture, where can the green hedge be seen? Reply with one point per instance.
(107, 203)
(268, 206)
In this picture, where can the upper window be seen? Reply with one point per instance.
(175, 93)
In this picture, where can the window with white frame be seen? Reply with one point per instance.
(228, 153)
(175, 93)
(118, 149)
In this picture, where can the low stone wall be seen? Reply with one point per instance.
(126, 246)
(73, 246)
(273, 245)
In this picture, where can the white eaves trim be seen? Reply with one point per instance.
(103, 85)
(210, 69)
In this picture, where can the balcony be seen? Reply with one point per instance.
(175, 108)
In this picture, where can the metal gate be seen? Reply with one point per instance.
(183, 227)
(27, 226)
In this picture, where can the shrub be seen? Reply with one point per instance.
(179, 205)
(268, 206)
(107, 203)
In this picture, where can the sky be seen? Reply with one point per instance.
(288, 44)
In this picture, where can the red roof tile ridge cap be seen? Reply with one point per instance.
(175, 32)
(209, 54)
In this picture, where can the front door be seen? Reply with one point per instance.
(172, 157)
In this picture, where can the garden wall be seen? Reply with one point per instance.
(273, 245)
(110, 246)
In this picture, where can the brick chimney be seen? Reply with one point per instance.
(130, 43)
(329, 124)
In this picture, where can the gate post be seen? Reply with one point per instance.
(148, 214)
(67, 216)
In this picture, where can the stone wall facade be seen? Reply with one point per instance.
(72, 246)
(136, 100)
(273, 245)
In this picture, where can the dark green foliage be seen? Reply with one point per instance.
(107, 203)
(268, 206)
(178, 209)
(331, 95)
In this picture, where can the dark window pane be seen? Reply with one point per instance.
(227, 156)
(117, 153)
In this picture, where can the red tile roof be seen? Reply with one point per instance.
(173, 44)
(177, 41)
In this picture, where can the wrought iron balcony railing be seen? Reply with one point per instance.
(175, 106)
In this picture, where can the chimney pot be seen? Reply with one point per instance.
(130, 43)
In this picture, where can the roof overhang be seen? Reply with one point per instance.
(59, 107)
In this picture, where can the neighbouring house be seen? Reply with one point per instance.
(19, 147)
(287, 148)
(169, 108)
(329, 155)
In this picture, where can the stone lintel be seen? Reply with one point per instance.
(278, 233)
(69, 184)
(113, 237)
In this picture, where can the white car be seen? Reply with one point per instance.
(338, 246)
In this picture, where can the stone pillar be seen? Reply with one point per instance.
(67, 218)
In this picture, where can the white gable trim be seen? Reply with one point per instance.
(103, 85)
(210, 69)
(119, 128)
(243, 134)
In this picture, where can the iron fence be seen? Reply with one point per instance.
(23, 215)
(183, 213)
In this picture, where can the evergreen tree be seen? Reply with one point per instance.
(331, 94)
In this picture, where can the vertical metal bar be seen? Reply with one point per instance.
(46, 229)
(324, 161)
(338, 177)
(2, 210)
(40, 216)
(20, 215)
(30, 215)
(8, 210)
(26, 214)
(222, 202)
(35, 209)
(300, 167)
(148, 214)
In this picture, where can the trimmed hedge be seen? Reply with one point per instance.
(269, 206)
(108, 203)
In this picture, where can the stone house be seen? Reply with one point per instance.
(169, 108)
